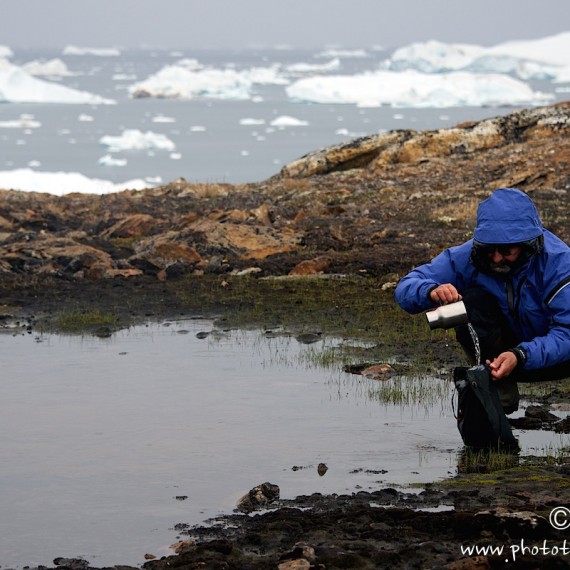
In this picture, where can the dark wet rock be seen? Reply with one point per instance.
(563, 426)
(536, 417)
(260, 496)
(309, 338)
(322, 468)
(71, 563)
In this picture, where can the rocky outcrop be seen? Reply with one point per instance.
(375, 205)
(409, 146)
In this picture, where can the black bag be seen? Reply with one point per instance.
(481, 420)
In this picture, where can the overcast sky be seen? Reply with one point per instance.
(177, 24)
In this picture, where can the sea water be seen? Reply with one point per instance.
(212, 143)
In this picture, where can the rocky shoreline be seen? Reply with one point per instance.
(372, 208)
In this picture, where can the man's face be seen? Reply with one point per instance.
(502, 257)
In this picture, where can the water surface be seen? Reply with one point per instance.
(109, 443)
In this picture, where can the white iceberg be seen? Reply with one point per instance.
(18, 86)
(51, 68)
(5, 52)
(250, 121)
(298, 68)
(60, 183)
(333, 52)
(546, 58)
(287, 121)
(109, 160)
(99, 52)
(163, 119)
(133, 139)
(183, 82)
(25, 121)
(176, 82)
(414, 89)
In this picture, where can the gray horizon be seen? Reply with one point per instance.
(302, 24)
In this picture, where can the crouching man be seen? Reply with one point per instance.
(514, 279)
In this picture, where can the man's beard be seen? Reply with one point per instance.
(501, 268)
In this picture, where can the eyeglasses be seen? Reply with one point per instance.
(504, 250)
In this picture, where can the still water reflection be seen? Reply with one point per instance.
(109, 443)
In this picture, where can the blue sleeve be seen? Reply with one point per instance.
(553, 347)
(450, 266)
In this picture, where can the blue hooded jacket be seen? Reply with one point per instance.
(539, 312)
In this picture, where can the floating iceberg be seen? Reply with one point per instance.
(109, 160)
(51, 68)
(60, 183)
(18, 86)
(99, 52)
(177, 82)
(25, 121)
(414, 89)
(546, 58)
(183, 82)
(5, 52)
(298, 68)
(355, 53)
(287, 121)
(133, 139)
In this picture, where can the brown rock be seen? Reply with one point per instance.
(63, 253)
(249, 242)
(133, 226)
(378, 371)
(311, 266)
(5, 225)
(163, 251)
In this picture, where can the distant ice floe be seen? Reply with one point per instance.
(109, 160)
(181, 82)
(53, 68)
(18, 86)
(25, 121)
(300, 68)
(415, 89)
(250, 121)
(100, 52)
(6, 52)
(355, 53)
(546, 58)
(133, 139)
(428, 74)
(60, 183)
(163, 119)
(287, 121)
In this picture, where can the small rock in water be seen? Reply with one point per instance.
(308, 338)
(378, 371)
(322, 469)
(258, 496)
(202, 334)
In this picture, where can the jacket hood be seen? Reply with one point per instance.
(507, 216)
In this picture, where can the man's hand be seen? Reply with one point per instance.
(503, 365)
(444, 294)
